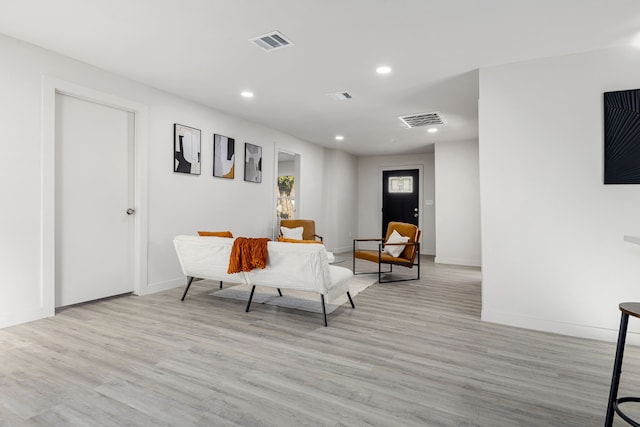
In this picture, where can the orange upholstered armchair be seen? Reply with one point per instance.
(308, 228)
(400, 247)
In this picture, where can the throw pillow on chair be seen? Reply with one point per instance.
(292, 233)
(395, 250)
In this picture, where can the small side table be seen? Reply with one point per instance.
(627, 309)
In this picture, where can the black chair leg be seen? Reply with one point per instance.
(617, 368)
(220, 284)
(250, 298)
(350, 300)
(187, 290)
(354, 257)
(279, 292)
(324, 310)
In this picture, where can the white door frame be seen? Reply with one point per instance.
(51, 86)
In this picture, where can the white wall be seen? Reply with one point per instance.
(183, 204)
(552, 234)
(370, 194)
(457, 203)
(341, 201)
(178, 203)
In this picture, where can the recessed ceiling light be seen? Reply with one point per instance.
(432, 130)
(339, 137)
(384, 69)
(246, 94)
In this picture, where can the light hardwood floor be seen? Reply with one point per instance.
(410, 354)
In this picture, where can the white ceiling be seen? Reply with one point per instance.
(199, 49)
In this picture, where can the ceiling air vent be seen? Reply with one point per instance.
(340, 96)
(271, 41)
(422, 119)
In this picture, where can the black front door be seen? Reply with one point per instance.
(399, 197)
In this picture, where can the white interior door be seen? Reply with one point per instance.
(94, 189)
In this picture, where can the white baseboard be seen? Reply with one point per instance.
(458, 261)
(556, 327)
(152, 288)
(13, 319)
(341, 249)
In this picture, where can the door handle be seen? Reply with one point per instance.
(131, 211)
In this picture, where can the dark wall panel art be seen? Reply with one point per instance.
(622, 137)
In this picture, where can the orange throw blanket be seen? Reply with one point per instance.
(247, 254)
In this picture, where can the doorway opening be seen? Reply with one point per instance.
(400, 197)
(287, 186)
(287, 197)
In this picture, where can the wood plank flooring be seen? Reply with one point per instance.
(410, 354)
